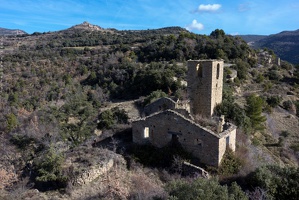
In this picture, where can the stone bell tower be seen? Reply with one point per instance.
(205, 82)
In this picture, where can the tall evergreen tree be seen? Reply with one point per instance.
(254, 110)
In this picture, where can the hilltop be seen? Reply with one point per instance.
(87, 26)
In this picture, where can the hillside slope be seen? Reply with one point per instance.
(284, 44)
(65, 94)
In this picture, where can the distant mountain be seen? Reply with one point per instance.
(4, 31)
(252, 38)
(284, 44)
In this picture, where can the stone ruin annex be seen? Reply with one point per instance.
(168, 121)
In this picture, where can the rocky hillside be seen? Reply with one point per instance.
(284, 44)
(68, 97)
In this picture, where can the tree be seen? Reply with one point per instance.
(230, 164)
(217, 33)
(49, 170)
(11, 122)
(254, 110)
(154, 96)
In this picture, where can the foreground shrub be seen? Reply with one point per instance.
(202, 189)
(48, 171)
(230, 163)
(280, 183)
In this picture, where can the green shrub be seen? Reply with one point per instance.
(260, 78)
(280, 183)
(48, 170)
(109, 118)
(154, 96)
(273, 101)
(22, 141)
(203, 189)
(230, 164)
(274, 75)
(295, 146)
(11, 122)
(267, 86)
(106, 120)
(288, 105)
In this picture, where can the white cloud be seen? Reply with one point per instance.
(195, 26)
(208, 8)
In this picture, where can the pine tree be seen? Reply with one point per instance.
(254, 110)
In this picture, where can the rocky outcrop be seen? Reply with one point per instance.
(87, 26)
(85, 164)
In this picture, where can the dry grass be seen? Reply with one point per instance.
(206, 122)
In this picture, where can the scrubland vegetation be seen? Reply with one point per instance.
(61, 104)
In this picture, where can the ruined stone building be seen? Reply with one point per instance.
(169, 121)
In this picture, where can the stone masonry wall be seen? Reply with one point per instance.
(205, 85)
(163, 127)
(228, 139)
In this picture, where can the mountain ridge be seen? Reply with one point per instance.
(5, 31)
(285, 44)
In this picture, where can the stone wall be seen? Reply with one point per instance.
(167, 126)
(205, 81)
(227, 140)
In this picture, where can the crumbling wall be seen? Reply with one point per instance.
(168, 126)
(227, 140)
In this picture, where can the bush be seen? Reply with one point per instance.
(232, 111)
(280, 183)
(154, 96)
(274, 75)
(48, 169)
(106, 120)
(260, 78)
(22, 141)
(273, 101)
(202, 189)
(109, 118)
(11, 122)
(289, 106)
(230, 164)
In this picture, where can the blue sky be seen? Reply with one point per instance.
(199, 16)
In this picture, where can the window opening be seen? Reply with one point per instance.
(199, 70)
(146, 132)
(227, 141)
(218, 71)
